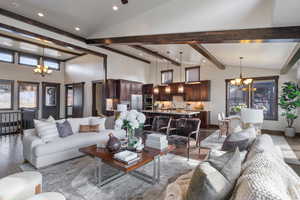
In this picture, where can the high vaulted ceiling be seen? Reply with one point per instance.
(97, 19)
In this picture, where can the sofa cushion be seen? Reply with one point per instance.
(76, 122)
(47, 131)
(267, 177)
(110, 122)
(76, 141)
(208, 183)
(64, 129)
(261, 144)
(98, 121)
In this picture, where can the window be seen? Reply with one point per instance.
(6, 94)
(6, 56)
(166, 76)
(52, 63)
(192, 74)
(28, 95)
(264, 96)
(27, 59)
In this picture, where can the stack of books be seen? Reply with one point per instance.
(127, 157)
(157, 141)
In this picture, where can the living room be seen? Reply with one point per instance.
(159, 97)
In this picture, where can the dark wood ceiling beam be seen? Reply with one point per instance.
(38, 44)
(154, 53)
(256, 35)
(39, 24)
(204, 52)
(125, 54)
(55, 41)
(292, 60)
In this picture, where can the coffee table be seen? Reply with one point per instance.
(102, 155)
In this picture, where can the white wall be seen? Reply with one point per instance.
(209, 72)
(86, 69)
(89, 68)
(18, 72)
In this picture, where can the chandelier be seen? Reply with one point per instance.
(42, 69)
(241, 81)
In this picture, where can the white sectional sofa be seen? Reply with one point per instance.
(41, 154)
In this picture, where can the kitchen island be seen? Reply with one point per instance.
(202, 114)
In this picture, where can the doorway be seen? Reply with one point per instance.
(74, 100)
(50, 100)
(98, 104)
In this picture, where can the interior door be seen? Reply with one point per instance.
(50, 100)
(78, 100)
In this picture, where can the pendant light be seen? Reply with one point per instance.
(42, 69)
(155, 88)
(240, 81)
(168, 88)
(181, 86)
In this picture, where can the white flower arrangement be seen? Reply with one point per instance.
(130, 120)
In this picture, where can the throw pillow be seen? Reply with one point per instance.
(47, 131)
(215, 178)
(64, 129)
(76, 122)
(228, 164)
(240, 139)
(110, 122)
(84, 128)
(208, 183)
(98, 121)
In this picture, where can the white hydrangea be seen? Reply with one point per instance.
(131, 116)
(141, 118)
(123, 115)
(134, 124)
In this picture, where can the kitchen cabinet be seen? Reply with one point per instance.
(111, 89)
(162, 95)
(147, 89)
(197, 92)
(204, 116)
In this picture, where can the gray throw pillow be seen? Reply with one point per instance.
(213, 180)
(64, 129)
(110, 122)
(228, 164)
(240, 139)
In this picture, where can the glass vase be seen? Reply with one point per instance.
(131, 138)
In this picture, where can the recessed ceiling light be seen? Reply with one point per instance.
(77, 28)
(141, 54)
(14, 4)
(115, 8)
(204, 60)
(41, 14)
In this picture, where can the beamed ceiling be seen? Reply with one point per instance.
(141, 18)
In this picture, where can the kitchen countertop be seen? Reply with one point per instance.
(172, 112)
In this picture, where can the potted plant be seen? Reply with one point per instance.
(130, 121)
(289, 101)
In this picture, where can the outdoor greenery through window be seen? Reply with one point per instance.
(166, 76)
(264, 95)
(6, 93)
(28, 95)
(51, 63)
(26, 59)
(6, 56)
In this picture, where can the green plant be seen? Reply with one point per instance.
(289, 101)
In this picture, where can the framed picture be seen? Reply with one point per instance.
(51, 93)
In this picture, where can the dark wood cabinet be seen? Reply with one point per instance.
(204, 116)
(122, 89)
(147, 89)
(197, 92)
(111, 89)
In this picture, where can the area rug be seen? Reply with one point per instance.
(289, 155)
(75, 178)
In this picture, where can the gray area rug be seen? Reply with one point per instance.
(75, 178)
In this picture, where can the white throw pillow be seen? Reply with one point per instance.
(47, 131)
(98, 121)
(76, 122)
